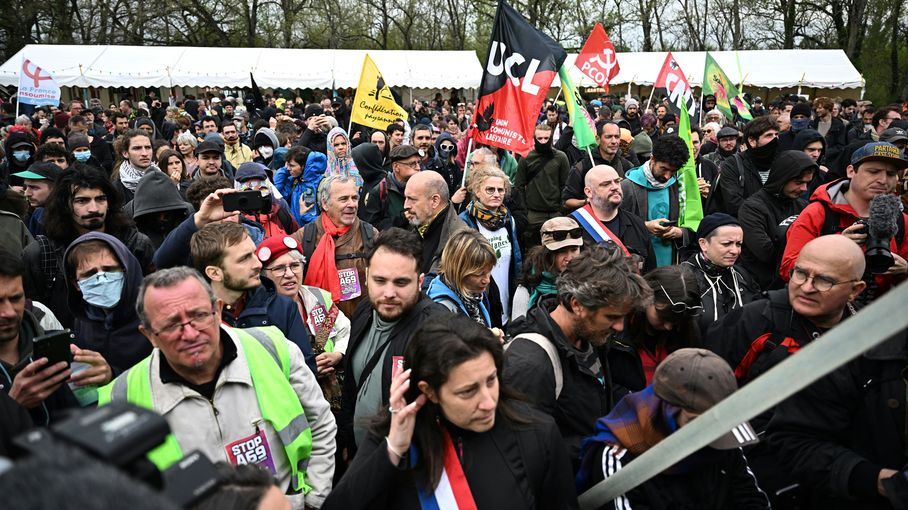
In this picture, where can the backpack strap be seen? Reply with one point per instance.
(48, 262)
(551, 351)
(309, 240)
(740, 169)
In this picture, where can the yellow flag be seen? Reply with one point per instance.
(374, 105)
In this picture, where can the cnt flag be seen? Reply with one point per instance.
(584, 128)
(673, 84)
(521, 67)
(716, 82)
(597, 58)
(373, 105)
(690, 202)
(37, 88)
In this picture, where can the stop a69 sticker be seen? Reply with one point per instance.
(251, 450)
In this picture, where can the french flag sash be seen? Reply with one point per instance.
(595, 228)
(453, 492)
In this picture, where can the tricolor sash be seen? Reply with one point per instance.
(595, 228)
(453, 491)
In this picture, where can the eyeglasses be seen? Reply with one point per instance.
(682, 307)
(447, 146)
(561, 235)
(294, 267)
(412, 164)
(821, 283)
(197, 320)
(492, 191)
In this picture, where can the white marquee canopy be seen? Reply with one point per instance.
(166, 66)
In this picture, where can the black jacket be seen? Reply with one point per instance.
(361, 323)
(718, 480)
(632, 232)
(765, 217)
(573, 188)
(836, 137)
(721, 289)
(14, 420)
(836, 435)
(528, 369)
(511, 466)
(739, 178)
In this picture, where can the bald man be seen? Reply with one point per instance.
(825, 280)
(427, 207)
(603, 219)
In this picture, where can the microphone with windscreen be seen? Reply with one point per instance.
(882, 226)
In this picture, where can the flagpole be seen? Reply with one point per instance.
(700, 122)
(18, 95)
(466, 162)
(588, 151)
(650, 97)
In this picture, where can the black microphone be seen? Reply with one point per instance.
(882, 226)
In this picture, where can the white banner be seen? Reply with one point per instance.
(36, 86)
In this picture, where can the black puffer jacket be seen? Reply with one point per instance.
(739, 179)
(765, 217)
(528, 369)
(837, 434)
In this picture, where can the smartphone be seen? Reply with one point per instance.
(55, 347)
(673, 223)
(252, 201)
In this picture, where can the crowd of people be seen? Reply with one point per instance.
(400, 319)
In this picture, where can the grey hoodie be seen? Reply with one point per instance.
(157, 193)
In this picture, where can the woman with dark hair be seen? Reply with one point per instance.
(452, 437)
(562, 239)
(245, 487)
(669, 323)
(172, 163)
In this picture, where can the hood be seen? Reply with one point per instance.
(442, 137)
(787, 166)
(806, 137)
(332, 134)
(368, 159)
(826, 192)
(637, 176)
(125, 309)
(145, 121)
(168, 129)
(263, 136)
(14, 138)
(279, 159)
(156, 193)
(316, 163)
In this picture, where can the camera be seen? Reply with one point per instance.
(118, 435)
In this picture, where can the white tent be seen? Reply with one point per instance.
(170, 66)
(822, 69)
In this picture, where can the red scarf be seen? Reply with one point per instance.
(323, 268)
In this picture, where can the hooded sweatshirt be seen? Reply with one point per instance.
(306, 185)
(765, 216)
(804, 138)
(450, 171)
(368, 159)
(10, 164)
(264, 136)
(156, 193)
(113, 333)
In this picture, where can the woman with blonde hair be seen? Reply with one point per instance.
(487, 214)
(466, 270)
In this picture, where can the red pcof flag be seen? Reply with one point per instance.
(598, 58)
(522, 64)
(673, 84)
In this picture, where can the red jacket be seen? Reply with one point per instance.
(810, 223)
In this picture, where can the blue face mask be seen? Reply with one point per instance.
(22, 155)
(102, 289)
(82, 157)
(799, 124)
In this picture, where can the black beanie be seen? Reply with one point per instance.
(801, 109)
(713, 221)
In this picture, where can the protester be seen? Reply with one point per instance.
(445, 164)
(561, 242)
(687, 384)
(298, 180)
(464, 276)
(608, 136)
(39, 180)
(554, 357)
(383, 204)
(430, 213)
(186, 145)
(369, 159)
(275, 390)
(429, 412)
(487, 214)
(540, 177)
(745, 173)
(158, 208)
(274, 217)
(235, 151)
(329, 328)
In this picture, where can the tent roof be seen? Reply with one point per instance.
(823, 69)
(165, 66)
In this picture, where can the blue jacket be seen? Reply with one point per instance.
(265, 307)
(516, 257)
(307, 183)
(174, 251)
(439, 292)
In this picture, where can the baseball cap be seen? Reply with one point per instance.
(251, 170)
(696, 380)
(727, 132)
(560, 232)
(41, 170)
(879, 151)
(894, 135)
(403, 152)
(208, 146)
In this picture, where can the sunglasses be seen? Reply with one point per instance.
(446, 147)
(682, 308)
(561, 235)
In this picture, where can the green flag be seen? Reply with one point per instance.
(691, 205)
(716, 82)
(584, 131)
(743, 107)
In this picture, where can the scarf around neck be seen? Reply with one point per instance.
(545, 287)
(491, 220)
(130, 175)
(322, 259)
(652, 179)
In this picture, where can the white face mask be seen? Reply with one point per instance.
(266, 152)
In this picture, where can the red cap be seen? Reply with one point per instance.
(274, 247)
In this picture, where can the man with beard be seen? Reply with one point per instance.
(603, 219)
(744, 174)
(236, 152)
(430, 213)
(608, 138)
(225, 255)
(381, 330)
(554, 358)
(540, 177)
(83, 200)
(422, 140)
(727, 146)
(632, 115)
(137, 152)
